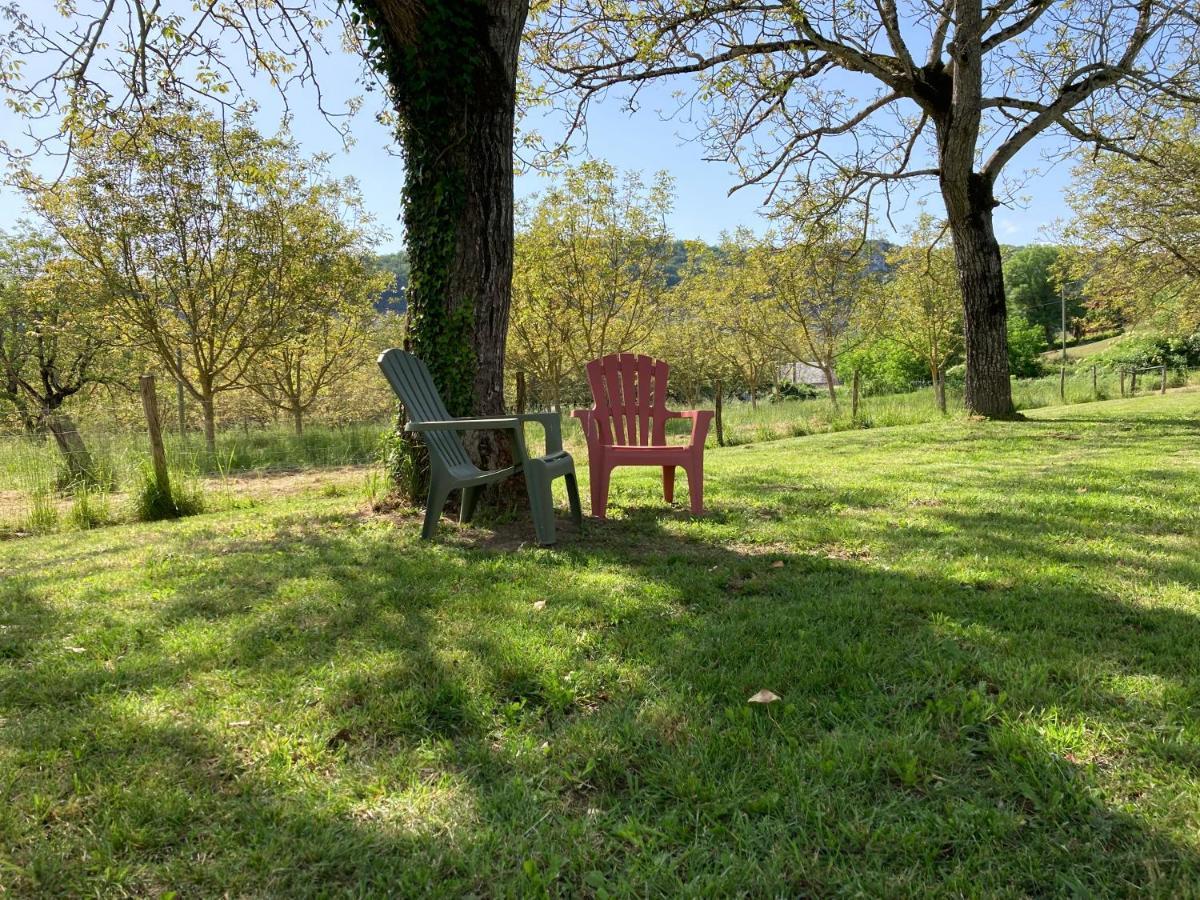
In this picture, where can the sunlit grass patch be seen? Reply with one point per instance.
(984, 638)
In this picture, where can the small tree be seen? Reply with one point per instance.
(193, 229)
(1137, 229)
(54, 337)
(924, 301)
(734, 306)
(591, 269)
(327, 288)
(826, 297)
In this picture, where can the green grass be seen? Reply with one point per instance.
(122, 455)
(32, 498)
(1076, 351)
(31, 470)
(985, 638)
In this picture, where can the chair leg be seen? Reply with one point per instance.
(599, 477)
(695, 477)
(669, 483)
(438, 493)
(573, 498)
(541, 503)
(470, 496)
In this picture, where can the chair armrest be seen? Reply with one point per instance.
(700, 421)
(466, 424)
(552, 422)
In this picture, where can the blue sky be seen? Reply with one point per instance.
(642, 141)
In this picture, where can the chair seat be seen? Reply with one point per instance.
(556, 464)
(473, 476)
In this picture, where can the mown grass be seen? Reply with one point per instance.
(985, 638)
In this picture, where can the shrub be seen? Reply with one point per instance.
(1146, 349)
(186, 497)
(788, 390)
(43, 513)
(405, 463)
(1026, 341)
(885, 367)
(89, 509)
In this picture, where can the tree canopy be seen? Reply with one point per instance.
(1137, 228)
(827, 104)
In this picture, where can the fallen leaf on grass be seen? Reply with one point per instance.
(76, 650)
(778, 564)
(539, 604)
(764, 696)
(241, 724)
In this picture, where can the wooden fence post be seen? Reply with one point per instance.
(179, 397)
(157, 452)
(854, 394)
(1164, 380)
(1062, 383)
(718, 404)
(1122, 382)
(1095, 392)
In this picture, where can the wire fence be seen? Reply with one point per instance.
(38, 492)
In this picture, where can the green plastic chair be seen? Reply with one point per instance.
(451, 468)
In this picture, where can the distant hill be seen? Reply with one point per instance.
(392, 300)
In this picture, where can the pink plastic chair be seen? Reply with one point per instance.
(627, 426)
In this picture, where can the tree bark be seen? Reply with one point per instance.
(210, 425)
(969, 204)
(483, 267)
(521, 393)
(158, 453)
(298, 420)
(829, 385)
(453, 66)
(939, 387)
(70, 443)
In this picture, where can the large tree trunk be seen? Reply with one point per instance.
(483, 263)
(298, 420)
(969, 204)
(452, 66)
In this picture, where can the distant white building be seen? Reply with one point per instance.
(804, 373)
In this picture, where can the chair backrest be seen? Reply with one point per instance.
(630, 396)
(410, 379)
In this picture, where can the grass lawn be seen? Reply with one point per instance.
(985, 638)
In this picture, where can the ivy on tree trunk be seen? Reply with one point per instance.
(451, 66)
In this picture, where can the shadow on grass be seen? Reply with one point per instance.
(330, 710)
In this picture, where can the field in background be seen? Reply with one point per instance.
(33, 499)
(1080, 351)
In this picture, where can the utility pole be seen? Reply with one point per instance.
(1062, 373)
(1062, 294)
